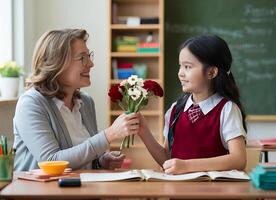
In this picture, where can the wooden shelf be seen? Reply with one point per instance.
(134, 54)
(154, 111)
(140, 27)
(8, 101)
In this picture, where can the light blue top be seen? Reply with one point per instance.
(40, 133)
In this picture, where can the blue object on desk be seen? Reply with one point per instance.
(263, 178)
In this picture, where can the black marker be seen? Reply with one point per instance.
(69, 182)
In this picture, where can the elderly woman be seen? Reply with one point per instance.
(54, 120)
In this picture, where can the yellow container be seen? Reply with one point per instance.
(53, 167)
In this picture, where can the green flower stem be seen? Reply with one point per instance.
(131, 109)
(138, 105)
(121, 105)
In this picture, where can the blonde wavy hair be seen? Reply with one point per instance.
(51, 55)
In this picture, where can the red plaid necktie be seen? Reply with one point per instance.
(194, 113)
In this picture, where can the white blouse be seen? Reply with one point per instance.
(73, 121)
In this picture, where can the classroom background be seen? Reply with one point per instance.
(31, 18)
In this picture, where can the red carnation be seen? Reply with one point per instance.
(153, 87)
(114, 93)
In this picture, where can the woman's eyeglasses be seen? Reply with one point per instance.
(85, 58)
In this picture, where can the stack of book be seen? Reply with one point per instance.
(148, 47)
(264, 176)
(126, 43)
(125, 70)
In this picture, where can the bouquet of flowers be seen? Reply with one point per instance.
(133, 94)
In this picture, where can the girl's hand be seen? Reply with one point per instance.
(143, 125)
(112, 160)
(124, 125)
(175, 166)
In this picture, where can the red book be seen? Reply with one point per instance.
(149, 45)
(125, 65)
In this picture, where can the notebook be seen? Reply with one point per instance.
(40, 176)
(150, 175)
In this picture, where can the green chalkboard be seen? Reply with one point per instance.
(248, 26)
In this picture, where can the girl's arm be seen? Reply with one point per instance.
(158, 152)
(236, 159)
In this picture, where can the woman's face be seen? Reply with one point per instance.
(77, 73)
(191, 74)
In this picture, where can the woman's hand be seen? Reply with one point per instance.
(124, 125)
(112, 160)
(175, 166)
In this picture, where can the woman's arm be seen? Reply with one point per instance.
(34, 133)
(236, 159)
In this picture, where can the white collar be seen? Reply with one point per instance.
(59, 103)
(207, 105)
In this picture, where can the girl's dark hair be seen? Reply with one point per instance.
(214, 51)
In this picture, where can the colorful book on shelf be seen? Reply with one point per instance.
(126, 43)
(126, 48)
(125, 65)
(268, 143)
(150, 175)
(148, 50)
(148, 45)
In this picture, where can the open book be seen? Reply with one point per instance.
(150, 175)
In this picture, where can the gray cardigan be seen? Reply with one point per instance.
(40, 134)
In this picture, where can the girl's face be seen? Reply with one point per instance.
(77, 73)
(191, 74)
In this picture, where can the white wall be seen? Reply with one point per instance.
(41, 15)
(6, 30)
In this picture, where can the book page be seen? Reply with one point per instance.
(233, 175)
(151, 175)
(132, 175)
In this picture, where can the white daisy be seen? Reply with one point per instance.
(132, 80)
(134, 93)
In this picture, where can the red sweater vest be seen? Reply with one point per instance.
(200, 139)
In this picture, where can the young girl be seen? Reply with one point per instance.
(205, 129)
